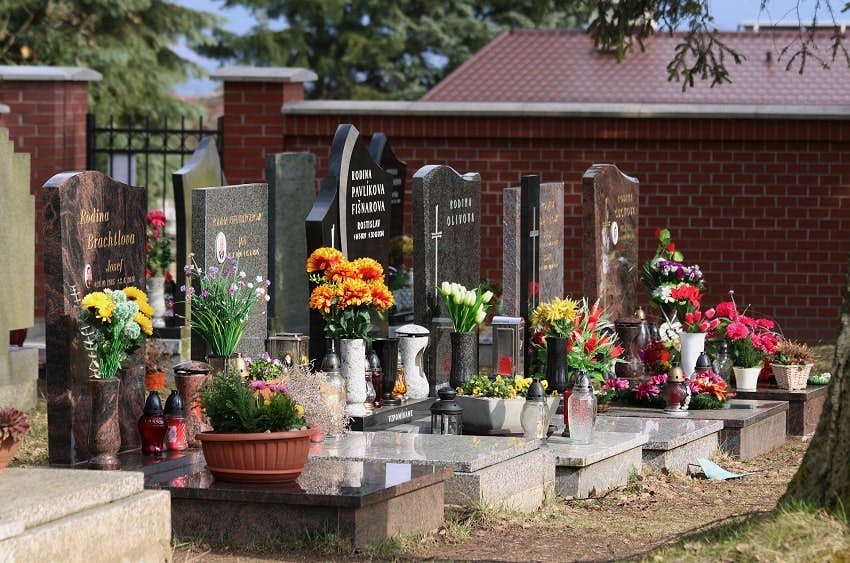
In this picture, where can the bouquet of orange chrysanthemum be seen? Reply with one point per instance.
(346, 292)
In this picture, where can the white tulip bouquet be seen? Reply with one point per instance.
(466, 307)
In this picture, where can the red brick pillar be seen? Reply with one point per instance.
(253, 125)
(47, 119)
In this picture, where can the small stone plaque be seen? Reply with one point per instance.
(610, 239)
(94, 238)
(232, 222)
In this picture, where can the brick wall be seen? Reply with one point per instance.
(761, 204)
(46, 119)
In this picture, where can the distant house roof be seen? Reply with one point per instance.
(535, 65)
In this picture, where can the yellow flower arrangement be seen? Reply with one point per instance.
(114, 325)
(499, 387)
(346, 291)
(555, 317)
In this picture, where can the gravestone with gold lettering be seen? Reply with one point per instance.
(610, 239)
(447, 247)
(18, 364)
(94, 238)
(232, 223)
(351, 213)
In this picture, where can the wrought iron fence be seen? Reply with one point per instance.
(143, 154)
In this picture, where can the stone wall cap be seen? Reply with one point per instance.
(264, 74)
(49, 73)
(541, 109)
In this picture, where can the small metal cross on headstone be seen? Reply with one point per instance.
(534, 235)
(436, 236)
(333, 236)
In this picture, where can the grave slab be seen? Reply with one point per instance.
(485, 467)
(585, 470)
(52, 506)
(750, 427)
(672, 444)
(804, 405)
(363, 501)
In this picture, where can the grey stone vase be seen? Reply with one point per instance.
(464, 357)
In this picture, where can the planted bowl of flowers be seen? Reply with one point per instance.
(751, 341)
(14, 425)
(260, 434)
(791, 364)
(494, 405)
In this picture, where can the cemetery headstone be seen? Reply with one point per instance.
(231, 222)
(532, 253)
(351, 213)
(18, 366)
(202, 171)
(292, 188)
(447, 235)
(610, 239)
(383, 154)
(94, 238)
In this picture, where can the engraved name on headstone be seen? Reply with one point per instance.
(610, 239)
(94, 237)
(447, 234)
(351, 213)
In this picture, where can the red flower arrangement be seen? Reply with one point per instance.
(751, 340)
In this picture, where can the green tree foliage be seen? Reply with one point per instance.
(390, 49)
(130, 42)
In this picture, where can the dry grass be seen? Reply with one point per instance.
(33, 450)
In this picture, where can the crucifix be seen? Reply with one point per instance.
(534, 235)
(436, 236)
(333, 236)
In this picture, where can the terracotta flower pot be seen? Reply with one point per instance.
(262, 457)
(8, 450)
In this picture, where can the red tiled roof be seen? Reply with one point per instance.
(535, 65)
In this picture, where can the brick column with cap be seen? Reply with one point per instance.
(253, 124)
(47, 107)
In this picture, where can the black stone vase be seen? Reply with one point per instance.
(464, 357)
(104, 430)
(556, 364)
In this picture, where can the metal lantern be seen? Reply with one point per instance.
(291, 348)
(508, 348)
(446, 414)
(703, 364)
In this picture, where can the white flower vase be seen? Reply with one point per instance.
(155, 286)
(352, 358)
(746, 379)
(692, 344)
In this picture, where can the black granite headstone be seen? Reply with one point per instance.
(351, 212)
(383, 154)
(94, 239)
(447, 247)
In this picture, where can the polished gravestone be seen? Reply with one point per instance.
(447, 235)
(94, 239)
(366, 502)
(804, 405)
(750, 427)
(388, 416)
(672, 443)
(232, 223)
(610, 239)
(485, 467)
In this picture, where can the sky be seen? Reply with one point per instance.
(728, 15)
